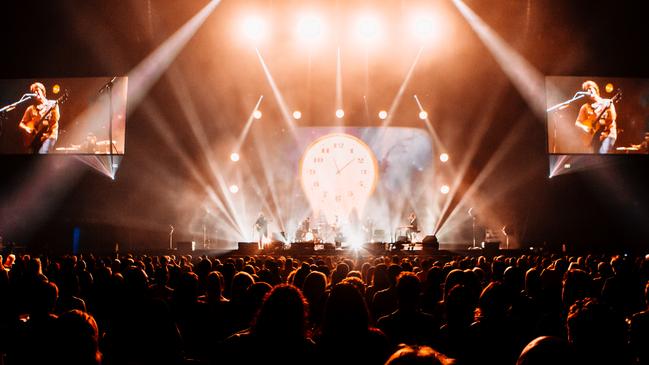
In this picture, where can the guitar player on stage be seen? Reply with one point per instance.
(40, 122)
(261, 226)
(597, 119)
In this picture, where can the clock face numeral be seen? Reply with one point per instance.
(311, 171)
(318, 159)
(339, 145)
(324, 150)
(339, 198)
(360, 160)
(363, 172)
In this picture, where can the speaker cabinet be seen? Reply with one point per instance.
(430, 243)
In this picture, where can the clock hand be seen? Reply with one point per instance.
(336, 165)
(345, 165)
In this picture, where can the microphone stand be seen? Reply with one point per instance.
(577, 96)
(12, 106)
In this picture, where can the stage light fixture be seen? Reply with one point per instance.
(257, 114)
(234, 157)
(56, 89)
(309, 28)
(356, 245)
(383, 114)
(423, 27)
(609, 88)
(297, 114)
(234, 188)
(340, 113)
(423, 115)
(254, 28)
(368, 28)
(445, 189)
(443, 157)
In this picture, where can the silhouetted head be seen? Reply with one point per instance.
(314, 285)
(408, 290)
(417, 355)
(493, 301)
(345, 314)
(282, 316)
(215, 284)
(78, 339)
(546, 350)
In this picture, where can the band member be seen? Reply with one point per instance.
(303, 229)
(368, 229)
(40, 122)
(597, 119)
(412, 227)
(261, 226)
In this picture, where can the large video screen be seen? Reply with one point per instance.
(85, 116)
(597, 115)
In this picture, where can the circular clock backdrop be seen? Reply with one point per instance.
(338, 172)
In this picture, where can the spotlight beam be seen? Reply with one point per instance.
(165, 132)
(402, 89)
(459, 183)
(246, 127)
(191, 114)
(339, 84)
(525, 77)
(436, 140)
(286, 115)
(508, 144)
(144, 75)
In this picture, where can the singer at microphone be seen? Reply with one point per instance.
(40, 122)
(597, 118)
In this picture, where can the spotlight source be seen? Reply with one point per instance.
(443, 157)
(340, 113)
(234, 157)
(234, 188)
(309, 28)
(423, 27)
(383, 114)
(254, 28)
(297, 114)
(423, 115)
(257, 114)
(368, 28)
(56, 88)
(444, 189)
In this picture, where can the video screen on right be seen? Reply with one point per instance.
(597, 115)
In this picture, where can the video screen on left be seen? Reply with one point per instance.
(82, 116)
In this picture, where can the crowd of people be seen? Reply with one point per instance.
(405, 309)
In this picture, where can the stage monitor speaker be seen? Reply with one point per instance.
(430, 243)
(491, 248)
(185, 246)
(329, 246)
(248, 248)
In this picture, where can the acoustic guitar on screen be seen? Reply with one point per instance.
(33, 138)
(601, 125)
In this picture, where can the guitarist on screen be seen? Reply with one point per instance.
(40, 122)
(597, 118)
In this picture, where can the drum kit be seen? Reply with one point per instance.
(322, 233)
